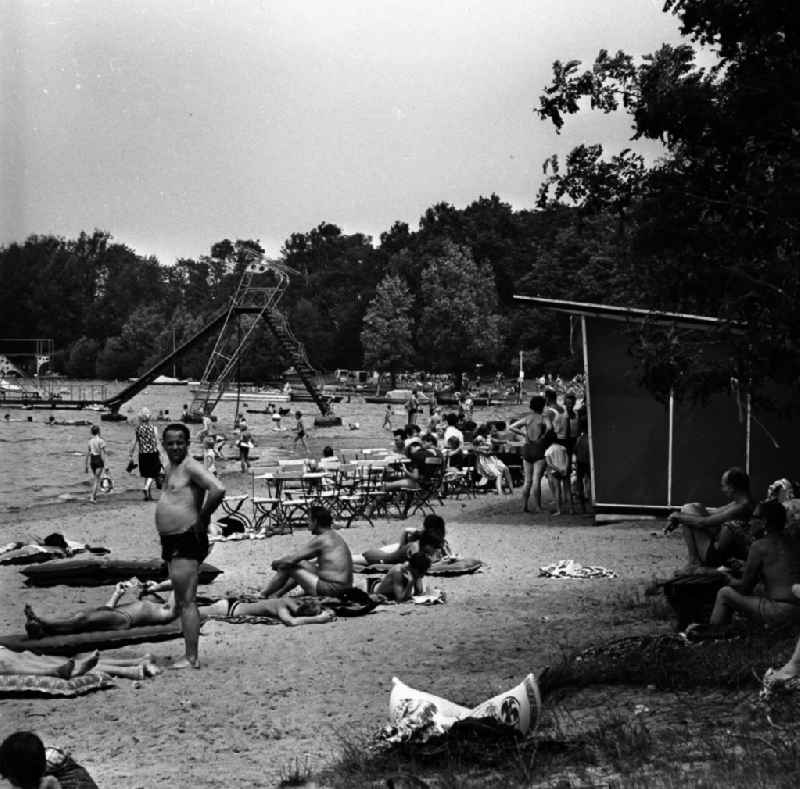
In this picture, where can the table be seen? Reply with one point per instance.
(285, 507)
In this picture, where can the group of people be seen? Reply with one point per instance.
(190, 495)
(751, 535)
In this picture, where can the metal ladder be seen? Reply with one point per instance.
(253, 301)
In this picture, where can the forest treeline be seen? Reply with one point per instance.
(436, 298)
(712, 227)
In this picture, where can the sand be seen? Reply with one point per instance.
(267, 695)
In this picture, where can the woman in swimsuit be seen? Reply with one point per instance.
(535, 428)
(96, 460)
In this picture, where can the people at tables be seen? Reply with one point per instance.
(714, 538)
(774, 561)
(413, 433)
(404, 579)
(536, 428)
(489, 466)
(452, 429)
(328, 461)
(322, 567)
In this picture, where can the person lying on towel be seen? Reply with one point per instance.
(155, 611)
(405, 579)
(775, 561)
(713, 538)
(111, 616)
(322, 567)
(429, 539)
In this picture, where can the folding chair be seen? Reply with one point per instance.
(430, 487)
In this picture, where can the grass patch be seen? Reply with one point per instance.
(696, 739)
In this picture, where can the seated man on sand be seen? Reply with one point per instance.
(323, 567)
(775, 561)
(404, 579)
(713, 538)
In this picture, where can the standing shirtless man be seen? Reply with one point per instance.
(190, 496)
(323, 567)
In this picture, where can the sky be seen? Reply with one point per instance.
(173, 125)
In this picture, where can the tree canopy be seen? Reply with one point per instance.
(712, 226)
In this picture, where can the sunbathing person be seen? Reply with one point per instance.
(12, 662)
(404, 579)
(430, 539)
(775, 561)
(713, 538)
(111, 616)
(323, 567)
(155, 611)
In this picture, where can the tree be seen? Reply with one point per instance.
(714, 222)
(386, 335)
(82, 358)
(458, 322)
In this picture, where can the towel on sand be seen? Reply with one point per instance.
(568, 568)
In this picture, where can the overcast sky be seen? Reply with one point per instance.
(175, 124)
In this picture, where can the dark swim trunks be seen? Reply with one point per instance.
(186, 545)
(96, 462)
(330, 588)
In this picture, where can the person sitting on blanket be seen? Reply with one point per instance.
(323, 567)
(713, 538)
(430, 539)
(774, 560)
(404, 579)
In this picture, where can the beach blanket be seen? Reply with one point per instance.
(567, 568)
(416, 716)
(85, 642)
(101, 570)
(24, 684)
(448, 566)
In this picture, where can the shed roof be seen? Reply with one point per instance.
(613, 312)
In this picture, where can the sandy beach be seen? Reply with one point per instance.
(267, 695)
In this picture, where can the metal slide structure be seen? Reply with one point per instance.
(258, 292)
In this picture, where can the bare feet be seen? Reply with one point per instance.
(85, 663)
(33, 626)
(185, 663)
(796, 590)
(151, 669)
(65, 671)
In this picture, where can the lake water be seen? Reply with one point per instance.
(43, 464)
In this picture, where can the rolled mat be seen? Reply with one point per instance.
(85, 642)
(101, 571)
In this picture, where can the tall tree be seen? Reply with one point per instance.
(387, 333)
(458, 326)
(716, 227)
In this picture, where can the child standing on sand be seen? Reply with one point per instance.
(387, 417)
(209, 456)
(245, 444)
(96, 460)
(299, 431)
